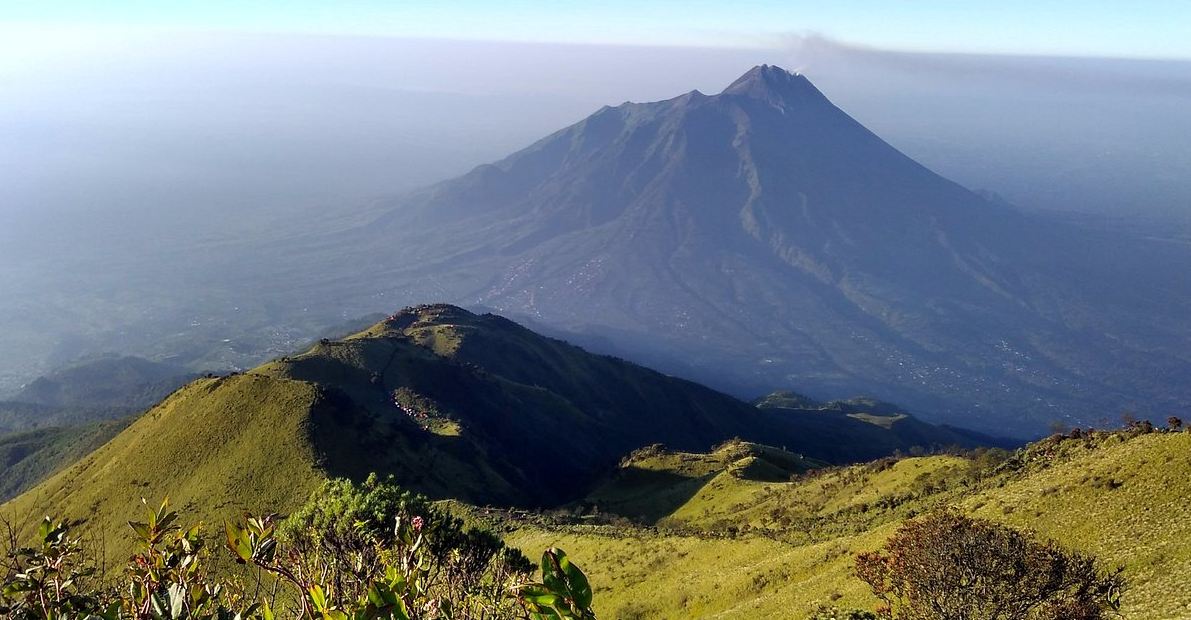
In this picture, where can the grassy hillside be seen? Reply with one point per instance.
(1126, 500)
(653, 482)
(216, 447)
(453, 404)
(744, 548)
(476, 408)
(61, 417)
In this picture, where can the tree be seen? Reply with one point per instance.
(948, 566)
(1174, 423)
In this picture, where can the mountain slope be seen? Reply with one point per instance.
(750, 239)
(653, 482)
(762, 237)
(746, 548)
(215, 447)
(127, 381)
(29, 457)
(870, 428)
(455, 405)
(98, 390)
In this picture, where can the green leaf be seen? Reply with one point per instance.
(578, 585)
(168, 519)
(142, 530)
(318, 598)
(238, 542)
(552, 575)
(547, 599)
(159, 606)
(177, 595)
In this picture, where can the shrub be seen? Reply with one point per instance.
(50, 579)
(366, 551)
(950, 566)
(167, 578)
(835, 613)
(354, 540)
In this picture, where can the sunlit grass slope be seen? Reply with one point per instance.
(1128, 502)
(216, 447)
(453, 404)
(653, 482)
(742, 548)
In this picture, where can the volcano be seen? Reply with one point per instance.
(761, 238)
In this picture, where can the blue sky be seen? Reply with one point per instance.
(1143, 28)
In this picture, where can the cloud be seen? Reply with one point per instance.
(816, 54)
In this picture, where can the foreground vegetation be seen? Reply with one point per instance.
(373, 551)
(363, 552)
(745, 531)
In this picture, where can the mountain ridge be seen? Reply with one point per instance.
(453, 404)
(749, 247)
(792, 543)
(788, 245)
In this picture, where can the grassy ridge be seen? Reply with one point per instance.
(653, 482)
(741, 548)
(453, 404)
(216, 447)
(479, 409)
(1126, 501)
(675, 576)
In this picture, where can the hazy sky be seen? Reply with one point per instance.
(221, 105)
(1149, 28)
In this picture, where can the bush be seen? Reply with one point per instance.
(50, 579)
(358, 542)
(366, 551)
(950, 566)
(835, 613)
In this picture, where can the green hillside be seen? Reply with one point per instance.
(645, 478)
(745, 548)
(215, 447)
(453, 404)
(653, 482)
(57, 419)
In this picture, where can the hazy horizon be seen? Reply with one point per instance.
(227, 120)
(124, 159)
